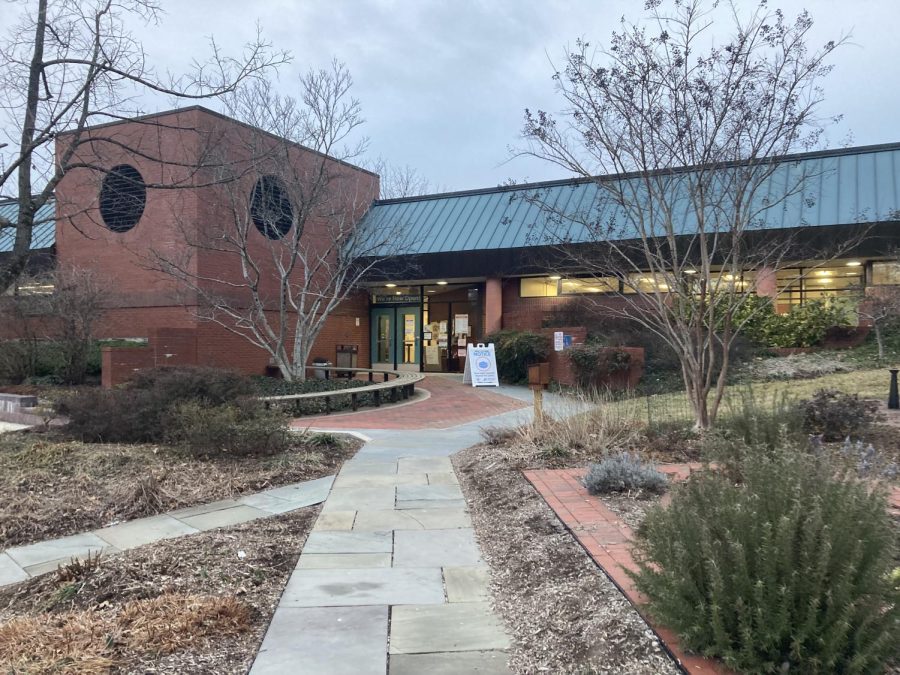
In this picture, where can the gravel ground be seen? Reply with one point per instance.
(563, 613)
(250, 563)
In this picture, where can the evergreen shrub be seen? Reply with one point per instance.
(593, 363)
(787, 570)
(516, 350)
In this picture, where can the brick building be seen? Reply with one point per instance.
(473, 261)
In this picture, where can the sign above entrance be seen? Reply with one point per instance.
(481, 366)
(394, 299)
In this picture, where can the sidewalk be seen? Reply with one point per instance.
(23, 562)
(391, 579)
(451, 403)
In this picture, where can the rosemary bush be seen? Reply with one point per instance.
(788, 570)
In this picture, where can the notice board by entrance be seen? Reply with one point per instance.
(481, 366)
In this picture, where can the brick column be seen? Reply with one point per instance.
(493, 305)
(766, 285)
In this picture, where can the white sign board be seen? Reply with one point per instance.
(481, 366)
(558, 341)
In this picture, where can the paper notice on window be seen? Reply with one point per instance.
(461, 324)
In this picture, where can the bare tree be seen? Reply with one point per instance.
(66, 65)
(674, 245)
(398, 181)
(287, 237)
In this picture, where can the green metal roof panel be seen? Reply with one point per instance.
(844, 186)
(43, 234)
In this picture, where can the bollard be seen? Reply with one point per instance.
(894, 395)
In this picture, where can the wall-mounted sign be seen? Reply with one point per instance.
(558, 341)
(481, 366)
(406, 299)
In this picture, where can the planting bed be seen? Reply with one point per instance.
(51, 487)
(197, 604)
(565, 616)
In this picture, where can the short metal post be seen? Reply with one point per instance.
(327, 405)
(354, 402)
(894, 395)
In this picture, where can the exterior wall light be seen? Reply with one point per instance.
(390, 285)
(690, 271)
(442, 283)
(555, 277)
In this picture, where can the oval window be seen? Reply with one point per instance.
(123, 196)
(270, 207)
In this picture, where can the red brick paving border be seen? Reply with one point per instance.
(451, 403)
(608, 541)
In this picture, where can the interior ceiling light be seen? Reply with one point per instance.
(854, 263)
(824, 273)
(390, 285)
(442, 283)
(397, 293)
(555, 277)
(690, 271)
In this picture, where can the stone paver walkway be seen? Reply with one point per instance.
(451, 403)
(23, 562)
(391, 579)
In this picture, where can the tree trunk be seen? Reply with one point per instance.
(879, 340)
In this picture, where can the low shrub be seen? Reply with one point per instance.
(516, 350)
(593, 363)
(787, 571)
(140, 410)
(834, 415)
(623, 472)
(866, 460)
(805, 325)
(244, 428)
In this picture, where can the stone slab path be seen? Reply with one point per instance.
(391, 578)
(23, 562)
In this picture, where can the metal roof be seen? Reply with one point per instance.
(43, 234)
(845, 186)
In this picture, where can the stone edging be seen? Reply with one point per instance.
(24, 562)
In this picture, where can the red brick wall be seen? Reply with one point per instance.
(119, 364)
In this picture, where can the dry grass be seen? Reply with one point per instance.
(94, 641)
(187, 605)
(51, 487)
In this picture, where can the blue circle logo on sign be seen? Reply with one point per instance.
(483, 364)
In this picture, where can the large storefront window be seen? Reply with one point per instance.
(551, 287)
(796, 285)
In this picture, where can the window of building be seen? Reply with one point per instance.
(270, 207)
(796, 285)
(538, 287)
(886, 274)
(589, 285)
(123, 195)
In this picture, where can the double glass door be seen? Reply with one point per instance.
(395, 337)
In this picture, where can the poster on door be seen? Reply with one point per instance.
(481, 366)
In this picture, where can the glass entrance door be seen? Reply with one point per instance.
(396, 335)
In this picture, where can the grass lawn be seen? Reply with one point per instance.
(674, 406)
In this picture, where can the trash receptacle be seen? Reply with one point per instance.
(321, 373)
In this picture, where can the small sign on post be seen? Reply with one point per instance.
(481, 366)
(538, 378)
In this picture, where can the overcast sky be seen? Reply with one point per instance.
(443, 84)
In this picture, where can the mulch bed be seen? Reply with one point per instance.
(563, 613)
(229, 579)
(52, 487)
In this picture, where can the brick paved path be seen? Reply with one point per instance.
(451, 403)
